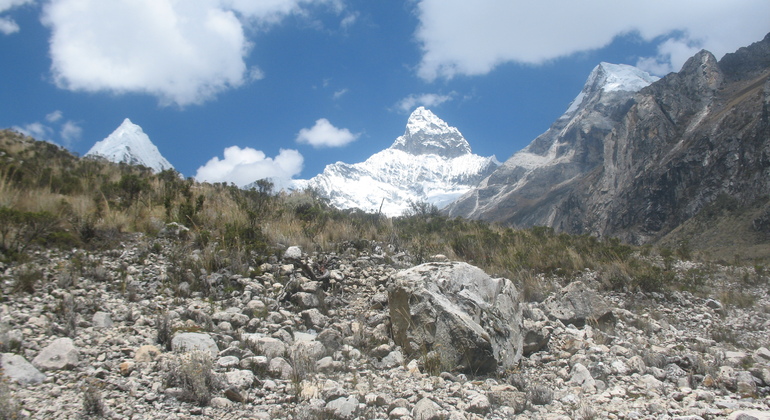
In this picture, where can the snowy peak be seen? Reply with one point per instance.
(607, 77)
(428, 134)
(431, 162)
(129, 144)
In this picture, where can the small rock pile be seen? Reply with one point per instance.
(366, 335)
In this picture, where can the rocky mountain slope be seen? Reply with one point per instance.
(529, 186)
(363, 334)
(432, 162)
(637, 166)
(129, 144)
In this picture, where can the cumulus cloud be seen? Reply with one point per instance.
(183, 52)
(242, 166)
(409, 103)
(324, 134)
(7, 25)
(459, 37)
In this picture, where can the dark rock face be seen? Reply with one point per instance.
(673, 149)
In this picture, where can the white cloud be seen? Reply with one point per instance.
(338, 94)
(7, 25)
(183, 52)
(70, 132)
(54, 116)
(672, 54)
(324, 134)
(244, 166)
(37, 130)
(460, 37)
(411, 102)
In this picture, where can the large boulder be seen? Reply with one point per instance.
(457, 313)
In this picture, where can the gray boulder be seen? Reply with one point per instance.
(18, 369)
(60, 354)
(458, 313)
(188, 342)
(575, 303)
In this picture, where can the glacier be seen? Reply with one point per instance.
(431, 162)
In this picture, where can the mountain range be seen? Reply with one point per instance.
(129, 144)
(431, 162)
(634, 157)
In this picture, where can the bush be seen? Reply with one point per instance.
(92, 401)
(195, 376)
(540, 395)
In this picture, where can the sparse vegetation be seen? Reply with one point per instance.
(194, 374)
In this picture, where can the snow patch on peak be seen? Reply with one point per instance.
(428, 134)
(608, 77)
(129, 144)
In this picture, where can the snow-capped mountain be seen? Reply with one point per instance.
(129, 144)
(526, 189)
(432, 162)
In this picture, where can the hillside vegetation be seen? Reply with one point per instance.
(51, 198)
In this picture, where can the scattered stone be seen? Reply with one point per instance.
(102, 320)
(189, 342)
(18, 369)
(60, 354)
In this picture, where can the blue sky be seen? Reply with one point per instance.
(304, 83)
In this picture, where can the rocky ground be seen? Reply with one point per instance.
(112, 334)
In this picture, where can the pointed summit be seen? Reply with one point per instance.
(428, 134)
(129, 144)
(607, 77)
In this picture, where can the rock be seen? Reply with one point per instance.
(102, 320)
(425, 409)
(581, 377)
(749, 415)
(280, 368)
(305, 300)
(234, 395)
(126, 368)
(441, 307)
(508, 397)
(268, 346)
(536, 336)
(18, 369)
(342, 408)
(479, 404)
(575, 303)
(314, 318)
(293, 253)
(146, 353)
(60, 354)
(188, 342)
(240, 379)
(399, 413)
